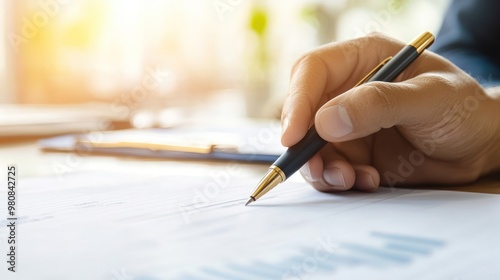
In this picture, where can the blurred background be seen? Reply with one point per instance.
(157, 63)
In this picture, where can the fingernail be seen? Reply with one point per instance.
(285, 124)
(334, 121)
(306, 172)
(368, 179)
(334, 177)
(371, 183)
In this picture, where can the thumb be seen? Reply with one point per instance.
(366, 109)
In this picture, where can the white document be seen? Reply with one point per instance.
(125, 226)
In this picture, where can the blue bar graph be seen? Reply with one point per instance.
(384, 249)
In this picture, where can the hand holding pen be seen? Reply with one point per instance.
(404, 132)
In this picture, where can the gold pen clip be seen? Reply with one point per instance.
(375, 70)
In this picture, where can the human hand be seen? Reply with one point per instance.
(433, 124)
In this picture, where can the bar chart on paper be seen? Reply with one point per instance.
(135, 227)
(326, 258)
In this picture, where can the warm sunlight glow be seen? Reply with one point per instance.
(167, 53)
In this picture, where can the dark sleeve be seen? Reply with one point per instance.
(470, 38)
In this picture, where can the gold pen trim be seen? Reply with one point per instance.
(422, 41)
(279, 171)
(273, 177)
(375, 70)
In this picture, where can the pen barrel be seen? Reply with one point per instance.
(297, 155)
(396, 65)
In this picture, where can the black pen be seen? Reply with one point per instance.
(296, 156)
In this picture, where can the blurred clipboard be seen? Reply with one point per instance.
(254, 142)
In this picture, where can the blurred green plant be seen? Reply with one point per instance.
(259, 25)
(258, 64)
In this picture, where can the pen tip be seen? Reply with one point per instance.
(250, 201)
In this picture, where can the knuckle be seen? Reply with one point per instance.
(385, 98)
(441, 79)
(308, 59)
(378, 39)
(297, 63)
(314, 62)
(376, 35)
(383, 44)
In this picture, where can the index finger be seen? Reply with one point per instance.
(326, 72)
